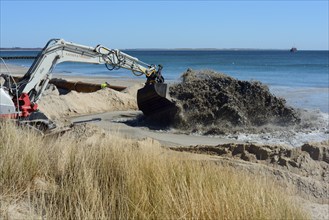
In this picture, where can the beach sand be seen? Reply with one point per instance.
(114, 111)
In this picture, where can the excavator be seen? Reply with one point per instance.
(19, 100)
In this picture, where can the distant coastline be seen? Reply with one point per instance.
(164, 49)
(201, 49)
(20, 49)
(155, 49)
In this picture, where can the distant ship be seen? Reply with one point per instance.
(293, 49)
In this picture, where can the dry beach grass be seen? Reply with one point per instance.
(101, 176)
(93, 173)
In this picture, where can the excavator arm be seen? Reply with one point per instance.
(57, 51)
(20, 101)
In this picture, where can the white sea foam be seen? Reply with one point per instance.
(313, 128)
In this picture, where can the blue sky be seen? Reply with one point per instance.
(167, 24)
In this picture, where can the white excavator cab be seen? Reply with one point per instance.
(7, 107)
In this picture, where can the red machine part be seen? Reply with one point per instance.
(25, 105)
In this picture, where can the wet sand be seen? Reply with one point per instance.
(123, 123)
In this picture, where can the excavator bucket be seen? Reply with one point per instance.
(154, 102)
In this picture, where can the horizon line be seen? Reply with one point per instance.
(172, 49)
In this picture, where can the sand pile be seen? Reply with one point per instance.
(57, 106)
(214, 103)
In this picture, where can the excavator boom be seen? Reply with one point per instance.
(57, 51)
(28, 91)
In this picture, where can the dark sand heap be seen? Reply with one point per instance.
(214, 103)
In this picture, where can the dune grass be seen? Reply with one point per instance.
(116, 178)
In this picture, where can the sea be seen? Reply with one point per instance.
(302, 77)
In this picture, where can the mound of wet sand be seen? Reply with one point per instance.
(305, 167)
(214, 103)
